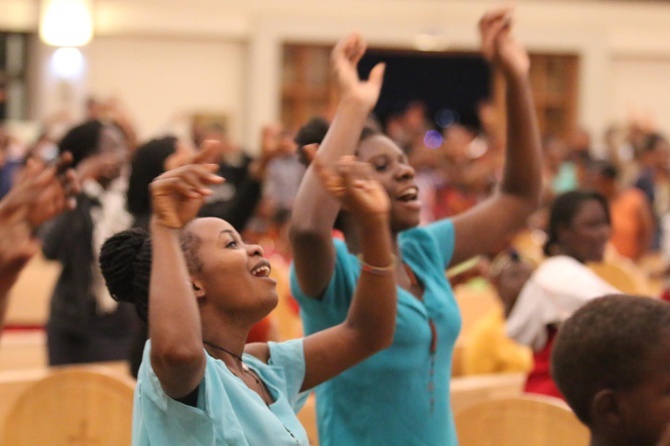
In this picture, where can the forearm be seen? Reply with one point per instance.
(522, 175)
(174, 321)
(342, 139)
(373, 308)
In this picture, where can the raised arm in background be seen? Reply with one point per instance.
(482, 227)
(314, 210)
(40, 193)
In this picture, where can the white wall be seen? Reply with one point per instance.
(624, 47)
(641, 87)
(160, 79)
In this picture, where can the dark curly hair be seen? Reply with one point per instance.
(606, 344)
(125, 262)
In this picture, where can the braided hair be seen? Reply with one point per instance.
(125, 262)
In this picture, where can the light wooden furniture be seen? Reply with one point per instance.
(528, 420)
(29, 297)
(77, 405)
(469, 391)
(623, 275)
(474, 302)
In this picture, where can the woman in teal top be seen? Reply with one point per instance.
(202, 288)
(401, 395)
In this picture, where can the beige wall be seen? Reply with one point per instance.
(242, 41)
(162, 80)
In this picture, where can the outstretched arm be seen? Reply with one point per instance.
(177, 355)
(482, 227)
(41, 193)
(314, 210)
(370, 323)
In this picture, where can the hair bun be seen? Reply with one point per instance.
(118, 258)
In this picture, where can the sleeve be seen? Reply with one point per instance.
(290, 356)
(444, 237)
(334, 304)
(165, 418)
(54, 236)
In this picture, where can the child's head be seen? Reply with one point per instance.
(611, 360)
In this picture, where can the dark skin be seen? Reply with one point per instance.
(640, 415)
(478, 229)
(584, 239)
(41, 192)
(230, 292)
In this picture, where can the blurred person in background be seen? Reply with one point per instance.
(85, 323)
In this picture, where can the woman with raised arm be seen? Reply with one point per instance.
(202, 288)
(401, 395)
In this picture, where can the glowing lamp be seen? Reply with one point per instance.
(66, 22)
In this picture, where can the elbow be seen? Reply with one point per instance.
(301, 234)
(379, 340)
(174, 355)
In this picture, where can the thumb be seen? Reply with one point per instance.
(377, 74)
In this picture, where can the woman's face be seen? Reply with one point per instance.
(394, 173)
(586, 236)
(233, 276)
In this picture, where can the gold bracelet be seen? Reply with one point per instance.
(367, 268)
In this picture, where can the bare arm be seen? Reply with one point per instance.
(370, 323)
(41, 193)
(506, 211)
(177, 354)
(314, 209)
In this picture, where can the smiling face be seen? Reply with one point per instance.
(585, 237)
(392, 170)
(233, 277)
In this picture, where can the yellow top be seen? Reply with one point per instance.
(489, 350)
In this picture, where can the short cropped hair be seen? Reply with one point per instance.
(605, 345)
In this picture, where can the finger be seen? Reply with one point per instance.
(376, 76)
(493, 15)
(331, 181)
(208, 152)
(340, 48)
(173, 185)
(196, 180)
(357, 49)
(63, 163)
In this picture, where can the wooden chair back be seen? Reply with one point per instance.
(526, 420)
(78, 405)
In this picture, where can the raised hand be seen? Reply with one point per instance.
(351, 182)
(499, 46)
(42, 191)
(178, 194)
(344, 60)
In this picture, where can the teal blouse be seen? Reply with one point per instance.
(228, 412)
(399, 396)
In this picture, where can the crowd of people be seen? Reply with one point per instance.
(155, 268)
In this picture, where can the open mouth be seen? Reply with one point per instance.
(262, 269)
(409, 194)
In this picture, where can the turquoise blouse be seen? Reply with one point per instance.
(399, 396)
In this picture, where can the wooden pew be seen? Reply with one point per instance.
(14, 382)
(468, 391)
